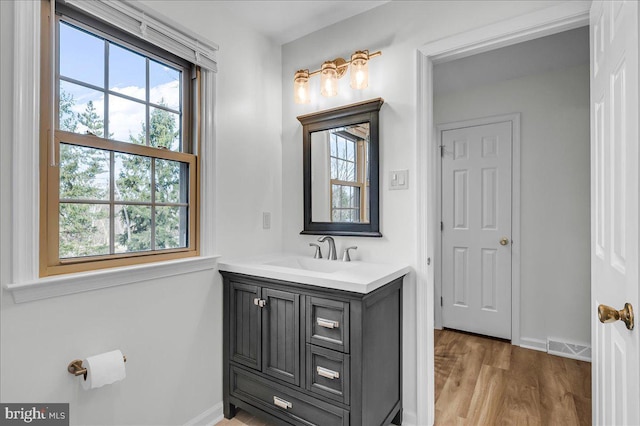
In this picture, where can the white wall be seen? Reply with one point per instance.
(398, 28)
(170, 329)
(321, 177)
(551, 53)
(555, 227)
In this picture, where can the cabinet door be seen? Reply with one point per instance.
(281, 335)
(245, 325)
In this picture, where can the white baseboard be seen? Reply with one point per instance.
(535, 344)
(559, 347)
(207, 418)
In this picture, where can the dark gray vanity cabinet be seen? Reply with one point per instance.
(307, 355)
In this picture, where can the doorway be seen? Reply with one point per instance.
(551, 20)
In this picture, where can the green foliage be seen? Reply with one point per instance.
(137, 219)
(91, 120)
(68, 118)
(84, 227)
(82, 224)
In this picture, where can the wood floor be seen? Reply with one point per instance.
(243, 418)
(484, 381)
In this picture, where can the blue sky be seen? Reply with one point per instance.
(82, 57)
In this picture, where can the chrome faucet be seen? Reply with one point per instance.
(345, 255)
(318, 253)
(332, 247)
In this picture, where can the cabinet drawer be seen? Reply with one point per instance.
(297, 407)
(328, 323)
(328, 373)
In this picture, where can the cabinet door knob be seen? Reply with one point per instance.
(327, 323)
(259, 302)
(282, 403)
(329, 374)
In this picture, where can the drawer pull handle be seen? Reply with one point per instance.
(329, 374)
(327, 323)
(259, 302)
(282, 403)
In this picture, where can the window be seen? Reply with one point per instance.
(349, 182)
(119, 171)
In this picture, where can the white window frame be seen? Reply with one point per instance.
(145, 23)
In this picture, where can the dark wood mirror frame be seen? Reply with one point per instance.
(362, 112)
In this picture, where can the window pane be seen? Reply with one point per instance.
(164, 129)
(132, 177)
(164, 84)
(81, 109)
(127, 120)
(334, 168)
(345, 171)
(132, 228)
(171, 227)
(81, 55)
(84, 230)
(84, 173)
(351, 156)
(345, 203)
(127, 72)
(343, 148)
(169, 188)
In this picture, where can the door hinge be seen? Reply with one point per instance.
(441, 150)
(441, 301)
(441, 226)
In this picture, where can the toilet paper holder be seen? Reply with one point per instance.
(75, 367)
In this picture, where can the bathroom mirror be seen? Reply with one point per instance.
(341, 177)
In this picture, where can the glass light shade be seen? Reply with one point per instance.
(329, 79)
(360, 70)
(301, 87)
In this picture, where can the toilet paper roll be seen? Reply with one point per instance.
(103, 369)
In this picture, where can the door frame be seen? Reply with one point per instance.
(514, 119)
(550, 20)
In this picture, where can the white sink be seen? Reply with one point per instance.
(310, 264)
(355, 276)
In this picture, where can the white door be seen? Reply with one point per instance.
(614, 209)
(476, 228)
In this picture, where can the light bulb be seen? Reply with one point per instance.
(329, 79)
(360, 69)
(301, 87)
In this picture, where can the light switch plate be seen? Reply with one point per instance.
(266, 220)
(399, 179)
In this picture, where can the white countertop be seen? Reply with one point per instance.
(355, 276)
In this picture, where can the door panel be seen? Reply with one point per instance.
(476, 214)
(281, 335)
(614, 207)
(245, 325)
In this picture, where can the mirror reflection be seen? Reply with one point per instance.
(340, 183)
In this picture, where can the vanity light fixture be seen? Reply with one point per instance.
(331, 72)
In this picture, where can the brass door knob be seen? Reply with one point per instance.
(607, 314)
(504, 241)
